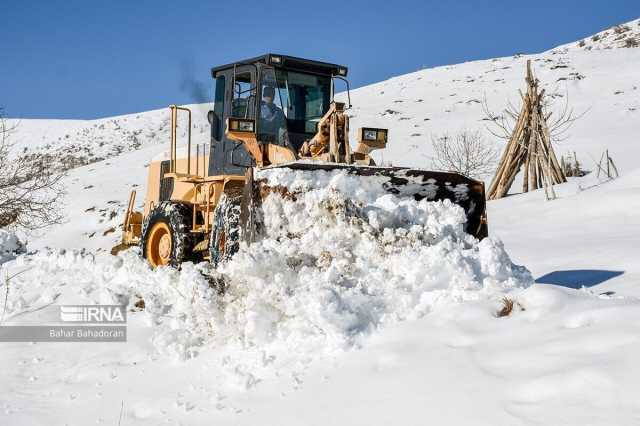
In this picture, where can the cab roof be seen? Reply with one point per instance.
(288, 62)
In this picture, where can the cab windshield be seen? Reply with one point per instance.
(302, 98)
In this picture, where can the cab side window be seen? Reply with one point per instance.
(218, 107)
(244, 96)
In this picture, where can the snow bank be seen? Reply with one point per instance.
(179, 305)
(10, 246)
(341, 258)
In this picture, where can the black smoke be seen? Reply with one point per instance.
(195, 88)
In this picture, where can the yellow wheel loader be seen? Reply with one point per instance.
(269, 111)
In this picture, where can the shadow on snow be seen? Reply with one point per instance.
(578, 278)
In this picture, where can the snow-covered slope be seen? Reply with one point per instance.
(617, 37)
(603, 84)
(74, 143)
(423, 344)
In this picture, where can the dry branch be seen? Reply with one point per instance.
(30, 188)
(466, 152)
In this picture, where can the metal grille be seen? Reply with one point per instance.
(166, 184)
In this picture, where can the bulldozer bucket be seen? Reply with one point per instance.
(131, 227)
(420, 184)
(118, 248)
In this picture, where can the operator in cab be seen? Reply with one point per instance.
(273, 123)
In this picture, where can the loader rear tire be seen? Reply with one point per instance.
(166, 235)
(224, 241)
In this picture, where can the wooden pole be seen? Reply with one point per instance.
(525, 179)
(507, 156)
(533, 145)
(613, 165)
(559, 174)
(529, 146)
(600, 164)
(553, 191)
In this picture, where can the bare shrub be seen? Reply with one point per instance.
(571, 166)
(621, 29)
(7, 279)
(582, 43)
(30, 188)
(507, 308)
(631, 42)
(466, 152)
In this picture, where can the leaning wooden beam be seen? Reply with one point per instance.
(561, 176)
(506, 162)
(530, 146)
(553, 191)
(509, 175)
(525, 179)
(535, 150)
(507, 156)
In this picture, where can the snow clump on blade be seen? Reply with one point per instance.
(342, 257)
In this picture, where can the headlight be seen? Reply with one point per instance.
(373, 135)
(242, 125)
(369, 135)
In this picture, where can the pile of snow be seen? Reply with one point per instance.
(181, 304)
(340, 258)
(10, 246)
(344, 257)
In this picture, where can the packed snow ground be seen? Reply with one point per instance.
(379, 339)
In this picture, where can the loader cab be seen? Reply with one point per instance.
(286, 96)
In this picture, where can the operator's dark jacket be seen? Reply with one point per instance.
(272, 119)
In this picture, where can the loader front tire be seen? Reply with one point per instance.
(166, 235)
(224, 241)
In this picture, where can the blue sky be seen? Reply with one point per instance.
(89, 59)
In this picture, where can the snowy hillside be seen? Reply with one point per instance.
(617, 37)
(74, 143)
(385, 317)
(603, 84)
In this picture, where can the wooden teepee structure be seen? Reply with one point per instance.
(529, 147)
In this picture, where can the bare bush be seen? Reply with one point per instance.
(30, 189)
(508, 306)
(558, 122)
(631, 42)
(466, 152)
(621, 29)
